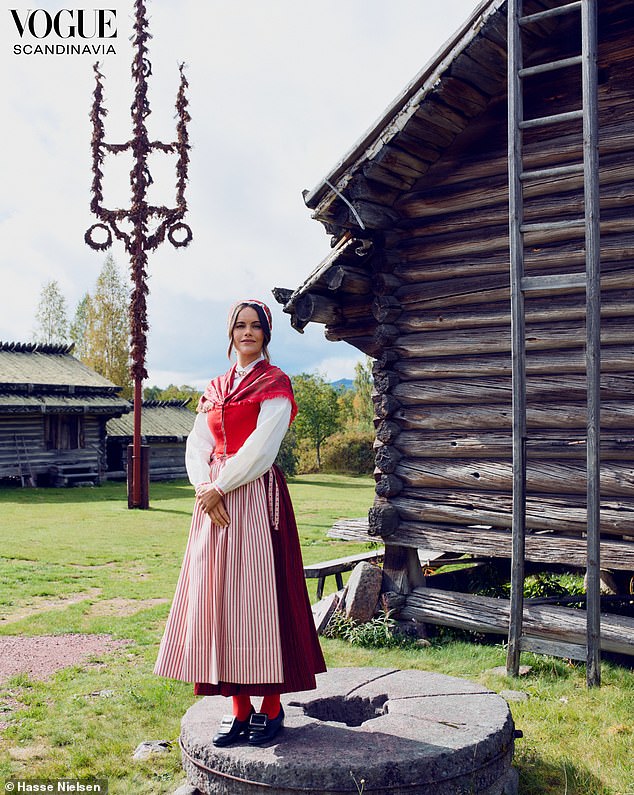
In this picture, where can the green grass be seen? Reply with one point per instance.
(63, 545)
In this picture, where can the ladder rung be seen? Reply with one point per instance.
(553, 282)
(555, 171)
(555, 648)
(550, 12)
(550, 66)
(542, 121)
(549, 226)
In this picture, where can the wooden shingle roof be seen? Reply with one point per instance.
(38, 379)
(167, 420)
(33, 365)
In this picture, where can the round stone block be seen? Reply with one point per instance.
(371, 730)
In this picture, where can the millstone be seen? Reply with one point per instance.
(371, 730)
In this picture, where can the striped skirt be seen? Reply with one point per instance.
(241, 621)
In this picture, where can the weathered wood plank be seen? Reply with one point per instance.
(544, 512)
(455, 342)
(485, 614)
(541, 546)
(614, 415)
(546, 477)
(498, 390)
(568, 308)
(615, 359)
(555, 444)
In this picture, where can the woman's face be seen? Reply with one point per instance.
(247, 336)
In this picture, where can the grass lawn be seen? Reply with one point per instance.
(74, 560)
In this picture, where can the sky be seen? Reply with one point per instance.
(279, 91)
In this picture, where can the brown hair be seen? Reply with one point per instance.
(264, 322)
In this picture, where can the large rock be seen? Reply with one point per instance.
(364, 587)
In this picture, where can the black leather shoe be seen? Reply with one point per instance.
(262, 729)
(231, 730)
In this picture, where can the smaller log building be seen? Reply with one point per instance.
(53, 415)
(418, 278)
(165, 426)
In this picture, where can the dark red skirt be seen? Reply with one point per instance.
(301, 653)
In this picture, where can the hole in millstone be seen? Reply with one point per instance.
(351, 711)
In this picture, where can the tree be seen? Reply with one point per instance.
(362, 403)
(318, 415)
(173, 392)
(102, 318)
(79, 326)
(51, 316)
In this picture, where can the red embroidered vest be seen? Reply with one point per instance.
(233, 414)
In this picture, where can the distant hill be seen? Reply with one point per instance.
(346, 383)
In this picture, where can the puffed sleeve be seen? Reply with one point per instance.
(198, 450)
(260, 449)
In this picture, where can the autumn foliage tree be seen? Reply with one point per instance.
(100, 328)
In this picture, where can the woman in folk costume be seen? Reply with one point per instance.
(241, 624)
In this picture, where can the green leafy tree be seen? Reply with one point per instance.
(173, 392)
(319, 413)
(102, 319)
(79, 326)
(51, 316)
(363, 410)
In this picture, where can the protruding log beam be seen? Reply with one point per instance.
(385, 360)
(282, 295)
(386, 308)
(387, 432)
(348, 280)
(385, 406)
(388, 486)
(387, 458)
(383, 519)
(385, 380)
(312, 308)
(385, 335)
(385, 284)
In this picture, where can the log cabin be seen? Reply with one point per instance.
(418, 278)
(165, 426)
(53, 415)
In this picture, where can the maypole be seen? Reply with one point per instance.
(142, 227)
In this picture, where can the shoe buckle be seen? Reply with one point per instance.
(226, 724)
(258, 722)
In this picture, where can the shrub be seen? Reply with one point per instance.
(349, 453)
(287, 458)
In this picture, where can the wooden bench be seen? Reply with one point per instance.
(337, 566)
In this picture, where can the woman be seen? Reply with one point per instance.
(241, 624)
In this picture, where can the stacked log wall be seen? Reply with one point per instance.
(20, 431)
(443, 377)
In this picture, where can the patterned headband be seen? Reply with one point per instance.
(261, 304)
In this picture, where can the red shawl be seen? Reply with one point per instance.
(263, 382)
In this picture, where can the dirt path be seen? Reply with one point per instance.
(41, 655)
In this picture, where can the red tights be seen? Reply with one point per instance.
(242, 706)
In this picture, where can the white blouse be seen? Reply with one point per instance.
(254, 458)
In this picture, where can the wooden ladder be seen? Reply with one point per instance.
(521, 285)
(25, 470)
